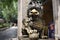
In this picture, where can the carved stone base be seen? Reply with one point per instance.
(33, 38)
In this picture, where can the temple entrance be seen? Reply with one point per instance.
(48, 17)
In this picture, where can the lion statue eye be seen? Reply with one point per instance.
(35, 12)
(31, 12)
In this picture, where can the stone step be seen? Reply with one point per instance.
(38, 39)
(28, 39)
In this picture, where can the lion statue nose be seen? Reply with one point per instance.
(34, 12)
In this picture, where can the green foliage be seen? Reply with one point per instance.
(8, 10)
(4, 25)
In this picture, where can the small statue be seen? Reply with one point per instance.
(34, 23)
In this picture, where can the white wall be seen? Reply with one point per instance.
(56, 12)
(59, 19)
(22, 10)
